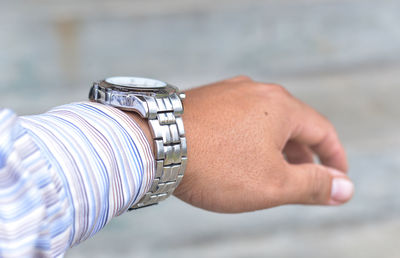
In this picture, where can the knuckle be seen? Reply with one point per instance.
(271, 89)
(331, 135)
(330, 138)
(327, 126)
(280, 89)
(335, 148)
(319, 186)
(243, 78)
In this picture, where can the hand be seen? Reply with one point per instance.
(251, 147)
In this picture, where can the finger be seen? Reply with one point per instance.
(316, 184)
(331, 152)
(315, 131)
(297, 153)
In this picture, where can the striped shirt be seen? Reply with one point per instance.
(65, 174)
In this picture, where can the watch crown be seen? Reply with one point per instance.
(182, 95)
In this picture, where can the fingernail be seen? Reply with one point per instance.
(342, 189)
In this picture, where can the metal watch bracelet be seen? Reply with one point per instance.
(168, 133)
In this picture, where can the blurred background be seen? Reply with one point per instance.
(340, 56)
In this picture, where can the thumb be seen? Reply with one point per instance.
(317, 184)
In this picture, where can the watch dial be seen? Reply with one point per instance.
(136, 82)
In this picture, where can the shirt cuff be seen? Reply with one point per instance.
(100, 155)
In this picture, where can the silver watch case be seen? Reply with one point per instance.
(134, 93)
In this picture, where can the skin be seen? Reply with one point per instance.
(251, 146)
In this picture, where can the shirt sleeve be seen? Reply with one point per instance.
(65, 174)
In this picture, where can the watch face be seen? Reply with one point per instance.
(136, 82)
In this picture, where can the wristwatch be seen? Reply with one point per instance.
(161, 104)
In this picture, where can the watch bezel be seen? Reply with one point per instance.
(140, 88)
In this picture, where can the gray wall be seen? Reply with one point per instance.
(342, 57)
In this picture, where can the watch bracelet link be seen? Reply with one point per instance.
(168, 133)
